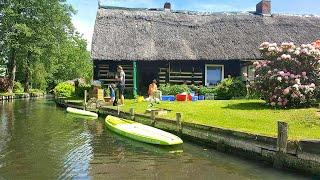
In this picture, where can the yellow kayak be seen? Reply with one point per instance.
(141, 132)
(81, 112)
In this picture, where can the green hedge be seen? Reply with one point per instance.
(203, 90)
(64, 89)
(173, 89)
(230, 88)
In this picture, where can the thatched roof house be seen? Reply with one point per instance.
(163, 36)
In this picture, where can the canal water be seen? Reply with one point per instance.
(40, 141)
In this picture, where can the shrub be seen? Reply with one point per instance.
(289, 75)
(17, 87)
(4, 84)
(64, 89)
(79, 91)
(230, 88)
(173, 89)
(203, 90)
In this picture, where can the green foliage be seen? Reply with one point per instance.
(203, 90)
(230, 88)
(17, 88)
(79, 91)
(173, 89)
(64, 89)
(194, 88)
(39, 41)
(36, 91)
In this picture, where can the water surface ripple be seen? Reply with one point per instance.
(40, 141)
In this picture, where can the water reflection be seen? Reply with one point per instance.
(40, 141)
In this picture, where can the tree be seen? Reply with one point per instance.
(39, 40)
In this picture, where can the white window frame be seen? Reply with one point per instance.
(213, 65)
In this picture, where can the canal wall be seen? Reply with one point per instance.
(22, 96)
(302, 156)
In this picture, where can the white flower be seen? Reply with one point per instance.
(279, 79)
(271, 49)
(297, 52)
(285, 57)
(296, 86)
(297, 81)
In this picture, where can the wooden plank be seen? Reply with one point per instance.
(182, 73)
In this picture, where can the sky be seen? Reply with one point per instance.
(84, 19)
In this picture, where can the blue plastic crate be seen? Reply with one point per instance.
(201, 97)
(168, 98)
(195, 98)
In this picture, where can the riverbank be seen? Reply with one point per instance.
(11, 96)
(299, 155)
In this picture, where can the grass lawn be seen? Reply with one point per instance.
(242, 115)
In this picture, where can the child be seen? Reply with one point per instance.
(152, 89)
(112, 94)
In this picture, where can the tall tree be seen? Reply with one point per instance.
(38, 36)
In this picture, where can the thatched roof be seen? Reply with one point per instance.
(140, 34)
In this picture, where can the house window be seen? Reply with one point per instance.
(249, 70)
(213, 74)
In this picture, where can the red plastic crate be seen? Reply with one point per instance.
(183, 97)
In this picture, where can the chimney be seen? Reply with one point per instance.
(167, 6)
(264, 7)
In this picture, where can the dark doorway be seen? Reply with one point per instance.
(147, 71)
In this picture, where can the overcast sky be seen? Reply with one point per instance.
(87, 9)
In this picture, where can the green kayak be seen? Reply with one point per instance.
(141, 132)
(81, 112)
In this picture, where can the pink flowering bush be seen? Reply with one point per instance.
(289, 75)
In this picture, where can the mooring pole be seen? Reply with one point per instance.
(282, 137)
(179, 123)
(85, 100)
(282, 141)
(153, 117)
(132, 113)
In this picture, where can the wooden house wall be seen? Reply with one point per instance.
(172, 72)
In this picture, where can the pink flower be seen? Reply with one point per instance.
(312, 85)
(297, 81)
(281, 73)
(286, 91)
(292, 76)
(304, 73)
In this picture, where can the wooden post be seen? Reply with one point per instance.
(132, 113)
(282, 137)
(179, 123)
(280, 156)
(153, 117)
(85, 100)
